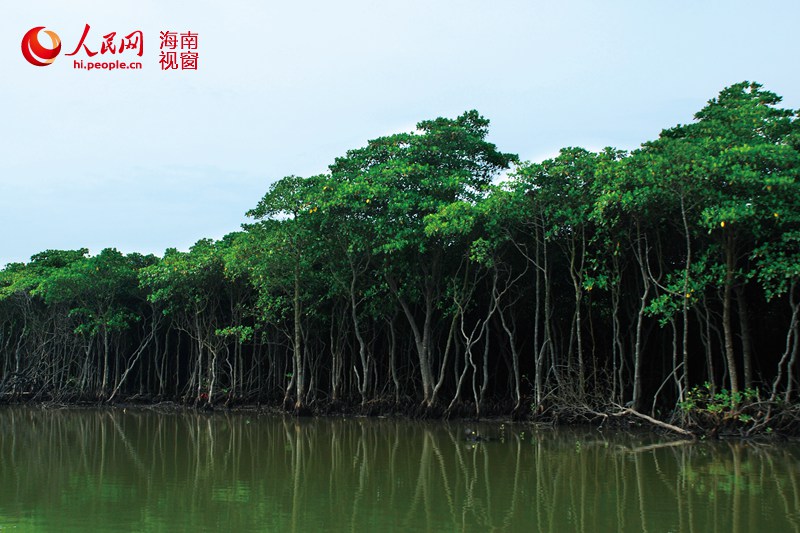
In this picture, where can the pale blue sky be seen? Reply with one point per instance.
(145, 160)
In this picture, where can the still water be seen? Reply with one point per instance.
(139, 470)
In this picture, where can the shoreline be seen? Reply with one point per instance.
(625, 420)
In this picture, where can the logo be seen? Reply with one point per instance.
(109, 50)
(35, 53)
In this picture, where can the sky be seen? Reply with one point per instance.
(142, 160)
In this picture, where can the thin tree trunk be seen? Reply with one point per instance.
(727, 327)
(392, 360)
(104, 386)
(363, 381)
(617, 352)
(744, 327)
(686, 297)
(791, 344)
(637, 351)
(299, 376)
(536, 319)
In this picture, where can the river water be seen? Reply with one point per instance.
(140, 470)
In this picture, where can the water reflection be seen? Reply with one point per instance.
(139, 470)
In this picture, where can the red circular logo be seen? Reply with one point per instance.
(34, 52)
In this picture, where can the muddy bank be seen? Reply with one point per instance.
(753, 420)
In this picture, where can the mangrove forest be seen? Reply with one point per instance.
(430, 273)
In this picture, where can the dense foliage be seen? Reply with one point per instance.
(429, 269)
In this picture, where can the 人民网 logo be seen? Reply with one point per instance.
(35, 53)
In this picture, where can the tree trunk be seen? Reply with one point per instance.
(727, 327)
(421, 342)
(363, 379)
(744, 327)
(104, 385)
(791, 344)
(392, 360)
(686, 297)
(637, 351)
(299, 376)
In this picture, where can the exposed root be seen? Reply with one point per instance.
(651, 420)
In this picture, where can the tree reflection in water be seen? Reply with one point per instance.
(141, 470)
